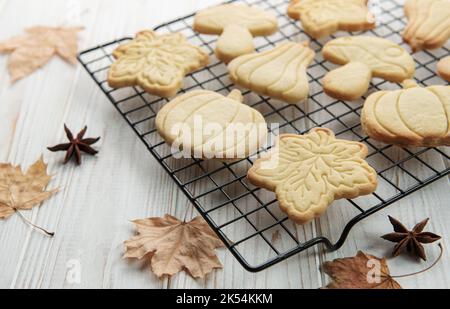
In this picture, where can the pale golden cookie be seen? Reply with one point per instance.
(428, 23)
(323, 17)
(279, 73)
(413, 116)
(364, 57)
(443, 68)
(308, 172)
(156, 63)
(207, 125)
(236, 24)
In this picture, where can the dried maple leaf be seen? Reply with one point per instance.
(364, 271)
(172, 245)
(37, 46)
(19, 191)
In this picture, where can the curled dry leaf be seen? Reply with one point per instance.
(37, 46)
(364, 271)
(23, 191)
(172, 245)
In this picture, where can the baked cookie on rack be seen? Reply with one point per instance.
(443, 68)
(428, 23)
(308, 172)
(206, 125)
(413, 116)
(156, 63)
(236, 24)
(364, 57)
(279, 73)
(324, 17)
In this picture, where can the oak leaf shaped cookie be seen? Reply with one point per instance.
(157, 63)
(23, 191)
(172, 245)
(413, 116)
(324, 17)
(363, 58)
(308, 172)
(207, 125)
(37, 46)
(428, 23)
(237, 25)
(443, 68)
(279, 73)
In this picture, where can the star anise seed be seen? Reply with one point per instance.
(410, 240)
(76, 145)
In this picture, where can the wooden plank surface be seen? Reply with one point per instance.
(91, 214)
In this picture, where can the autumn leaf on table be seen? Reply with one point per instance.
(23, 191)
(32, 50)
(359, 272)
(172, 245)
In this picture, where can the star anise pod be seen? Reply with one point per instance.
(76, 145)
(411, 240)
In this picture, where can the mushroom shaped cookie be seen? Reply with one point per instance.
(156, 63)
(236, 25)
(207, 125)
(279, 73)
(364, 57)
(413, 116)
(428, 23)
(308, 172)
(443, 68)
(324, 17)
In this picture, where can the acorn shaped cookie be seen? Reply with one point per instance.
(207, 125)
(428, 23)
(279, 73)
(412, 116)
(363, 58)
(237, 25)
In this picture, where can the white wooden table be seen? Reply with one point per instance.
(92, 212)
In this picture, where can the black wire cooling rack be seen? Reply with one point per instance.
(246, 218)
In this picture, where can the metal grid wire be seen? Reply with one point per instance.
(247, 218)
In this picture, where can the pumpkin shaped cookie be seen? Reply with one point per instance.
(207, 125)
(156, 63)
(279, 73)
(308, 172)
(324, 17)
(428, 23)
(364, 57)
(413, 116)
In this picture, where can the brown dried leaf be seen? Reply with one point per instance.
(173, 245)
(19, 191)
(360, 272)
(37, 46)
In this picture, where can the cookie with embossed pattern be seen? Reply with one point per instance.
(308, 172)
(156, 63)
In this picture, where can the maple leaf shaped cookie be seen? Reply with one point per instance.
(324, 17)
(23, 191)
(308, 172)
(157, 63)
(37, 46)
(172, 245)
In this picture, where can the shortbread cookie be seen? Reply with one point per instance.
(308, 172)
(428, 23)
(413, 116)
(324, 17)
(364, 57)
(156, 63)
(207, 125)
(279, 73)
(237, 25)
(443, 68)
